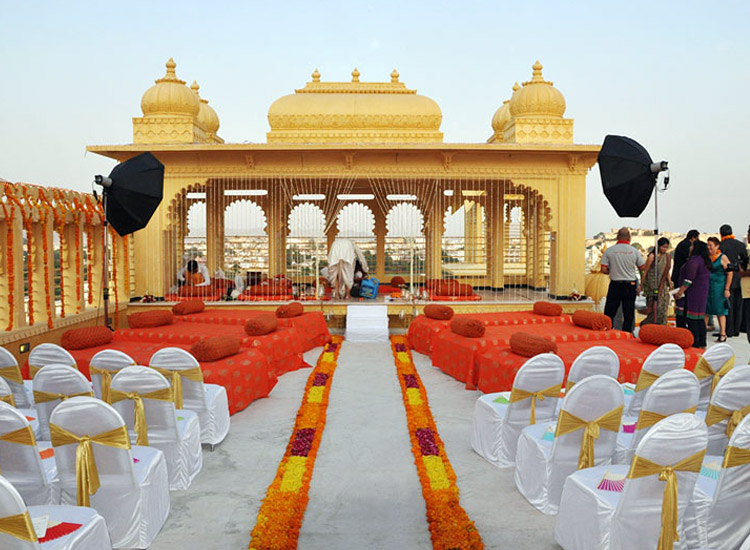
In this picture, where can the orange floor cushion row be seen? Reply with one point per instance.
(204, 297)
(455, 355)
(438, 298)
(496, 368)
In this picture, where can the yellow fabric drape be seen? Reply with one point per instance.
(703, 370)
(21, 436)
(176, 376)
(46, 397)
(642, 467)
(569, 423)
(19, 526)
(569, 384)
(8, 399)
(646, 419)
(140, 425)
(87, 475)
(12, 373)
(106, 380)
(517, 394)
(735, 456)
(716, 414)
(645, 379)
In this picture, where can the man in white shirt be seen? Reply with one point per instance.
(622, 263)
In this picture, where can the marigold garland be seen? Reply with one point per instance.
(43, 215)
(10, 266)
(450, 526)
(29, 267)
(280, 516)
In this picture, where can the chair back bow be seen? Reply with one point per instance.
(19, 526)
(703, 370)
(175, 377)
(518, 394)
(735, 456)
(106, 379)
(642, 467)
(21, 436)
(12, 373)
(645, 379)
(8, 399)
(716, 414)
(569, 423)
(646, 419)
(139, 411)
(87, 475)
(46, 397)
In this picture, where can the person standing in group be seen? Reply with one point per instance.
(737, 253)
(691, 297)
(680, 256)
(657, 295)
(621, 262)
(744, 276)
(718, 287)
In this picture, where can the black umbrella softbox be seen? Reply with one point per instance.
(627, 179)
(136, 191)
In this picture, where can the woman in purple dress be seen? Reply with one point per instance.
(690, 300)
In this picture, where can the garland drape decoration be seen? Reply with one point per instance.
(9, 261)
(450, 526)
(280, 516)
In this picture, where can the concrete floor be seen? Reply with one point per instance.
(365, 491)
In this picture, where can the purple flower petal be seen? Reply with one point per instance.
(303, 440)
(410, 380)
(320, 379)
(427, 444)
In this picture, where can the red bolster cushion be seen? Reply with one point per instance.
(265, 323)
(398, 281)
(466, 326)
(292, 309)
(529, 345)
(660, 334)
(436, 311)
(86, 337)
(215, 348)
(592, 319)
(548, 308)
(148, 319)
(188, 306)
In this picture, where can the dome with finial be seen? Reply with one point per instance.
(207, 117)
(170, 96)
(502, 115)
(537, 97)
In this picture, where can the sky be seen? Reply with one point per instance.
(671, 75)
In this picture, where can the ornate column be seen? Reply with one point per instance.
(215, 208)
(569, 260)
(380, 231)
(434, 241)
(42, 284)
(496, 223)
(11, 273)
(276, 218)
(71, 244)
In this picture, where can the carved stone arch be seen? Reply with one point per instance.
(313, 215)
(368, 220)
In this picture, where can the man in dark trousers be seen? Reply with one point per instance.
(680, 256)
(737, 253)
(621, 262)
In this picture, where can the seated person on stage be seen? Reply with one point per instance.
(193, 274)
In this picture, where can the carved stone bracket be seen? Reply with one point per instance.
(250, 160)
(447, 160)
(349, 160)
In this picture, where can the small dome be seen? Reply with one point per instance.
(502, 115)
(537, 97)
(206, 115)
(170, 96)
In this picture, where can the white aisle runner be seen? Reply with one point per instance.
(365, 492)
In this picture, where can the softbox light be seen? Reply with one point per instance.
(627, 177)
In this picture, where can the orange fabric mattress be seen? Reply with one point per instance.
(205, 298)
(436, 298)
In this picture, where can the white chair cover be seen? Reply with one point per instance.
(175, 432)
(20, 463)
(543, 463)
(47, 354)
(110, 360)
(134, 494)
(6, 395)
(595, 360)
(717, 516)
(732, 393)
(57, 379)
(663, 359)
(746, 544)
(674, 392)
(591, 518)
(497, 425)
(716, 356)
(91, 535)
(209, 401)
(11, 373)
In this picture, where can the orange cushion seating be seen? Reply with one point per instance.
(178, 298)
(422, 331)
(468, 327)
(188, 306)
(660, 334)
(262, 324)
(547, 308)
(146, 319)
(456, 298)
(436, 311)
(397, 281)
(265, 297)
(86, 337)
(592, 319)
(530, 345)
(187, 291)
(292, 309)
(274, 288)
(214, 348)
(180, 333)
(311, 327)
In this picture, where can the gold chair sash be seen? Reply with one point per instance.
(175, 377)
(33, 369)
(716, 414)
(645, 379)
(517, 394)
(642, 467)
(21, 436)
(569, 423)
(646, 419)
(140, 425)
(12, 373)
(568, 384)
(87, 475)
(106, 380)
(19, 526)
(8, 399)
(703, 370)
(46, 397)
(736, 456)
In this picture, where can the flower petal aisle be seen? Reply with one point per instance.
(450, 526)
(280, 516)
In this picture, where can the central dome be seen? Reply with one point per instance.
(354, 112)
